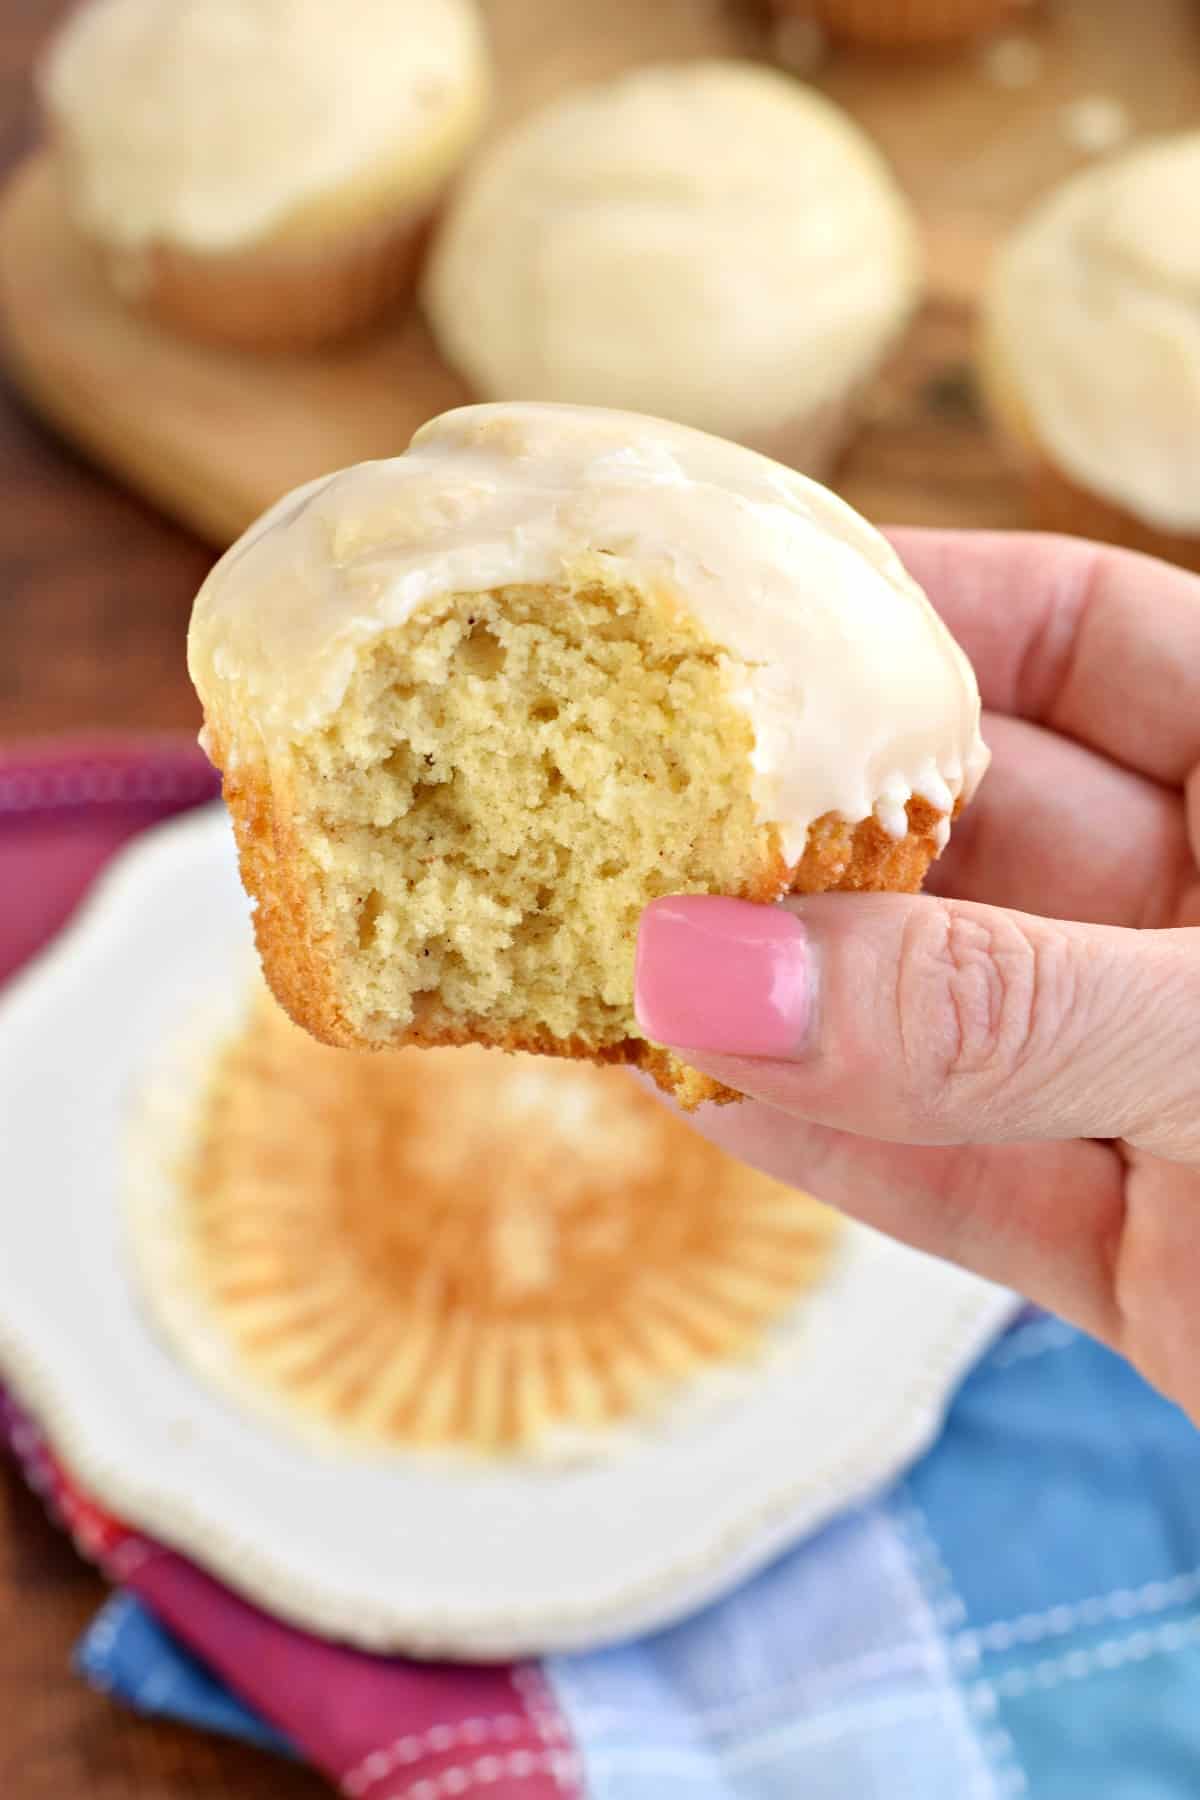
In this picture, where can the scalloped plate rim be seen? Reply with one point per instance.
(198, 1525)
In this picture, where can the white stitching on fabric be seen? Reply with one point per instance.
(851, 1721)
(18, 792)
(945, 1601)
(23, 791)
(128, 1557)
(517, 1765)
(32, 1452)
(538, 1698)
(848, 1717)
(375, 1767)
(119, 1563)
(542, 1715)
(888, 1710)
(1059, 1621)
(102, 1638)
(33, 1456)
(106, 1630)
(534, 1692)
(1113, 1653)
(999, 1749)
(949, 1611)
(730, 1715)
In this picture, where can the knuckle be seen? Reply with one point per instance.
(982, 1001)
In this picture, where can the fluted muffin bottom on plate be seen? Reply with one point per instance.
(458, 1250)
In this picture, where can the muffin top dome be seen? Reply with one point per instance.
(211, 122)
(858, 696)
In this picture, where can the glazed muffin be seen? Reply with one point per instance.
(453, 1249)
(476, 706)
(1091, 352)
(901, 24)
(262, 172)
(712, 242)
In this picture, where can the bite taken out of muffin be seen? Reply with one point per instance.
(476, 706)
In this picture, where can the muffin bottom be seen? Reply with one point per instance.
(1055, 501)
(901, 24)
(284, 296)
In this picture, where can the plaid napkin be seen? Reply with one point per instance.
(66, 805)
(1019, 1615)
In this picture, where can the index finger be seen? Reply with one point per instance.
(1099, 644)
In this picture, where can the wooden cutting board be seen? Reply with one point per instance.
(215, 436)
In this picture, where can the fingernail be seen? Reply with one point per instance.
(725, 975)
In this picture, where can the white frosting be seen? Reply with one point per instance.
(1094, 319)
(712, 242)
(858, 696)
(207, 122)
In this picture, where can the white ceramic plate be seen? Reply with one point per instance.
(396, 1552)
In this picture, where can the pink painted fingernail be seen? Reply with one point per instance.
(718, 974)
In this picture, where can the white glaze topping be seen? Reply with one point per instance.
(713, 242)
(858, 696)
(1094, 319)
(207, 122)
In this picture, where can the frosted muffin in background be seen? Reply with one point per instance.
(1091, 351)
(262, 172)
(708, 242)
(900, 24)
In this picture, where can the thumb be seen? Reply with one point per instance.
(932, 1021)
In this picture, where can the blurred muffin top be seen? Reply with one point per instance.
(1094, 328)
(214, 122)
(709, 241)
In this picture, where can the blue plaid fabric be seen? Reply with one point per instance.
(1020, 1615)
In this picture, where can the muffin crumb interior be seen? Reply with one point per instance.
(501, 794)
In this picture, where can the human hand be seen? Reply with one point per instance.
(963, 1069)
